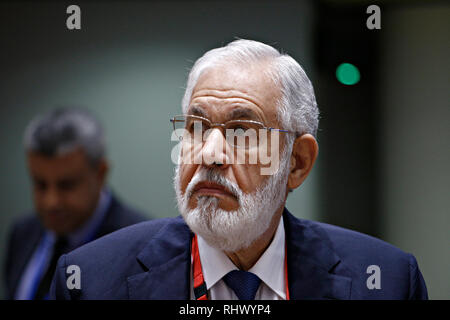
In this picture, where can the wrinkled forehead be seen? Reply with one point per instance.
(240, 86)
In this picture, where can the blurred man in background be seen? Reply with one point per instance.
(65, 152)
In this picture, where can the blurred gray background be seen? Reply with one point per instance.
(384, 142)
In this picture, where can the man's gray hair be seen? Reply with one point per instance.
(63, 130)
(297, 107)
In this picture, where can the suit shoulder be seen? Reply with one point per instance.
(121, 215)
(24, 226)
(26, 222)
(144, 229)
(107, 263)
(128, 239)
(359, 246)
(362, 256)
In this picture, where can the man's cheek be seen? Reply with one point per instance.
(76, 202)
(187, 172)
(245, 176)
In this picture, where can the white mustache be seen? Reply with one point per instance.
(210, 175)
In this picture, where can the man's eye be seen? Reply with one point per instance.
(199, 126)
(39, 185)
(193, 125)
(67, 185)
(189, 126)
(239, 128)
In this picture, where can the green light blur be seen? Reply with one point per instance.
(347, 74)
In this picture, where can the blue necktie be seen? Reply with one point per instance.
(244, 283)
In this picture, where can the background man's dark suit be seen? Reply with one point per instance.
(27, 232)
(151, 260)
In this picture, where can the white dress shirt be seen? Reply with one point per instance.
(269, 268)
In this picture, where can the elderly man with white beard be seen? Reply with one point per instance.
(235, 239)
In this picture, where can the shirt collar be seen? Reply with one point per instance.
(215, 263)
(269, 267)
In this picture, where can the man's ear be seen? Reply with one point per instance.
(304, 154)
(102, 171)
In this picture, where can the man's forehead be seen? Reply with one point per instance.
(238, 112)
(250, 84)
(66, 161)
(247, 78)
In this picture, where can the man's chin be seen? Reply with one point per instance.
(58, 226)
(224, 242)
(226, 235)
(59, 230)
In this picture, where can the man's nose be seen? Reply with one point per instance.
(215, 151)
(52, 199)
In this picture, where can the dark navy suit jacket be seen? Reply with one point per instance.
(152, 260)
(27, 232)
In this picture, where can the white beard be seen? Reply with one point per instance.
(233, 230)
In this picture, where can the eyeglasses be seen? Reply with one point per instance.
(196, 129)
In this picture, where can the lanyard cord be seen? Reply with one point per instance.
(200, 291)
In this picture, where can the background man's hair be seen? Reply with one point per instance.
(63, 130)
(297, 107)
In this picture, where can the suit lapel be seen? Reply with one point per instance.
(25, 247)
(311, 260)
(166, 262)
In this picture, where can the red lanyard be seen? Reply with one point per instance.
(200, 291)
